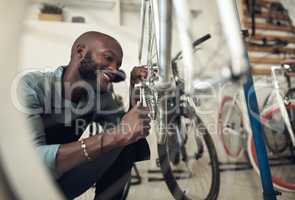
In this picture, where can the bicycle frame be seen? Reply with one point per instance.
(275, 70)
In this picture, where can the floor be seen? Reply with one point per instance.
(242, 185)
(235, 185)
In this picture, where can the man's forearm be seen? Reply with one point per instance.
(71, 154)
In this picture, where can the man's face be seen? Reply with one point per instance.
(100, 67)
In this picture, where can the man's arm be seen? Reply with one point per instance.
(71, 154)
(63, 157)
(60, 158)
(133, 126)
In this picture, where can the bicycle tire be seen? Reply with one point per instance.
(177, 192)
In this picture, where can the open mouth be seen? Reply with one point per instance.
(106, 77)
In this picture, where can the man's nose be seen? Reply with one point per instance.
(113, 66)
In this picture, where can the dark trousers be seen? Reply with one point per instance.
(109, 172)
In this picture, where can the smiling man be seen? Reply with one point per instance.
(62, 103)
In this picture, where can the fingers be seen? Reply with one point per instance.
(139, 73)
(138, 121)
(146, 128)
(141, 109)
(142, 72)
(145, 120)
(140, 68)
(145, 133)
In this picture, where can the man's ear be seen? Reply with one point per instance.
(81, 51)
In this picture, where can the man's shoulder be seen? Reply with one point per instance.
(35, 79)
(35, 86)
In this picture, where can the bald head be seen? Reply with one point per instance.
(93, 40)
(95, 59)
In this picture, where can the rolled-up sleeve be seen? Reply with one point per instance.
(47, 152)
(29, 99)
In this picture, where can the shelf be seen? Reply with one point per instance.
(259, 71)
(263, 26)
(265, 60)
(283, 50)
(265, 15)
(257, 36)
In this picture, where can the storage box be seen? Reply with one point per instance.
(51, 17)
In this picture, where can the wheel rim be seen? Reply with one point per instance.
(233, 154)
(175, 186)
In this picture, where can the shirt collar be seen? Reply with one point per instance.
(58, 100)
(57, 87)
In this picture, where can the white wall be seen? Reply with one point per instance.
(47, 44)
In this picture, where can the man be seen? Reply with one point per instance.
(60, 105)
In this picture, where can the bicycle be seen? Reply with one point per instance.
(232, 128)
(278, 130)
(186, 127)
(173, 108)
(280, 180)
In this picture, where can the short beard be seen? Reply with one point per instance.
(87, 69)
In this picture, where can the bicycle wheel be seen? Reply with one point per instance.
(201, 167)
(282, 160)
(230, 127)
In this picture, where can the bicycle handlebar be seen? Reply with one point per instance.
(195, 43)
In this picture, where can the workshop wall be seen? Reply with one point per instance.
(47, 44)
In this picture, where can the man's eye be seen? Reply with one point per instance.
(109, 58)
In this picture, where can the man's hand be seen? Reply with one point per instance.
(138, 74)
(134, 125)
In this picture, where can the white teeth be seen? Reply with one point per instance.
(106, 76)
